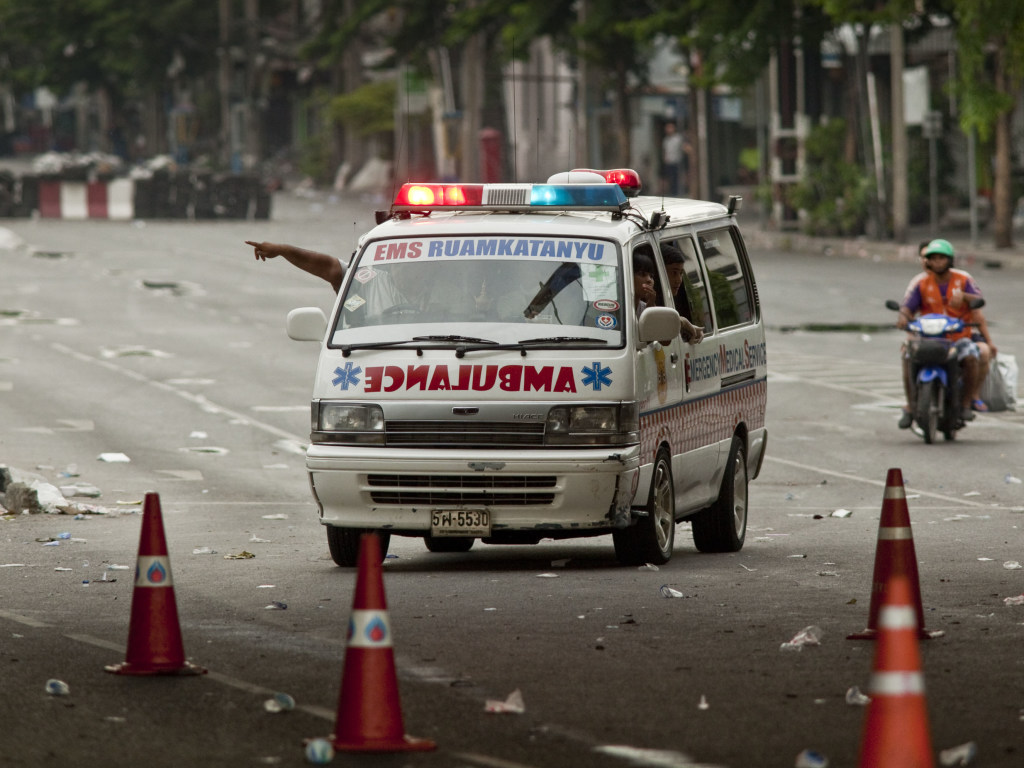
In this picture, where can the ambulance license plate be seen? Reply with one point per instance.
(460, 522)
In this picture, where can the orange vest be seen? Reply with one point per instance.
(933, 302)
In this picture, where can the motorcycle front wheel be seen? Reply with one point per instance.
(929, 403)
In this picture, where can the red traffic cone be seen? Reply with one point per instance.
(154, 635)
(894, 555)
(896, 733)
(369, 712)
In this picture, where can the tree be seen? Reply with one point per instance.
(990, 39)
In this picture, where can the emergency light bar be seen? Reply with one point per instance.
(591, 195)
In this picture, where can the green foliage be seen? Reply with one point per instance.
(367, 110)
(834, 194)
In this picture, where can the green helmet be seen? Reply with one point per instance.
(940, 246)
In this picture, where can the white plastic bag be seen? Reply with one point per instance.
(999, 390)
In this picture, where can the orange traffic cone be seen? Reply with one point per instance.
(896, 733)
(154, 635)
(369, 712)
(894, 555)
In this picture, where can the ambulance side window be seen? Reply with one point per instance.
(693, 283)
(731, 290)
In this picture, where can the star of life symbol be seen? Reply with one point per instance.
(348, 375)
(596, 377)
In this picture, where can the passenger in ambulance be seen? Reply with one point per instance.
(675, 266)
(644, 294)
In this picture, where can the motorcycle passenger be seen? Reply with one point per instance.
(940, 289)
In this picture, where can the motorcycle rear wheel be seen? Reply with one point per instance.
(929, 403)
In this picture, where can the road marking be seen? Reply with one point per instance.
(879, 483)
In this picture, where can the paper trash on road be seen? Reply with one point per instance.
(807, 636)
(513, 705)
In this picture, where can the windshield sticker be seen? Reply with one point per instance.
(590, 251)
(365, 275)
(606, 305)
(354, 303)
(476, 378)
(607, 322)
(725, 361)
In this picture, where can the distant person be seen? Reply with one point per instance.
(673, 160)
(322, 265)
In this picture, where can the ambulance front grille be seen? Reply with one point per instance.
(463, 434)
(471, 490)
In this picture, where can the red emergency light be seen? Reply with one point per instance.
(626, 178)
(440, 195)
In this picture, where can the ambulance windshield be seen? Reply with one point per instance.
(560, 287)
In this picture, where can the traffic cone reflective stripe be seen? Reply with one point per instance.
(894, 555)
(154, 634)
(369, 715)
(896, 732)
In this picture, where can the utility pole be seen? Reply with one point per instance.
(224, 78)
(900, 194)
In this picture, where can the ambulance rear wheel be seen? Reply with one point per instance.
(652, 538)
(448, 543)
(722, 527)
(344, 544)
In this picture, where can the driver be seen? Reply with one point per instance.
(940, 289)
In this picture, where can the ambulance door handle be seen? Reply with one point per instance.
(674, 358)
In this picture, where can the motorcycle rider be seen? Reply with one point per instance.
(940, 289)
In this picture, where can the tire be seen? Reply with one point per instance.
(928, 395)
(344, 544)
(448, 543)
(722, 527)
(652, 538)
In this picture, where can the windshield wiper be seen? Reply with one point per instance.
(562, 340)
(454, 337)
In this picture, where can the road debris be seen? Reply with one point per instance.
(961, 755)
(513, 705)
(807, 636)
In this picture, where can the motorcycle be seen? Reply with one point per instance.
(935, 371)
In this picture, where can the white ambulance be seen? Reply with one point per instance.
(488, 374)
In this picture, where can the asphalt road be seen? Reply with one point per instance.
(165, 342)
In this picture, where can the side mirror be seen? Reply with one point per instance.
(306, 324)
(976, 303)
(658, 323)
(893, 305)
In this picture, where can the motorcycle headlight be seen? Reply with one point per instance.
(616, 424)
(347, 423)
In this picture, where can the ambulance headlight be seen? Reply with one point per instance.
(616, 424)
(347, 423)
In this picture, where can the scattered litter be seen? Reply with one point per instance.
(703, 703)
(61, 569)
(547, 575)
(855, 697)
(841, 513)
(811, 759)
(198, 434)
(279, 516)
(133, 350)
(319, 751)
(667, 591)
(798, 557)
(1018, 600)
(52, 543)
(114, 567)
(204, 551)
(1013, 480)
(70, 471)
(513, 705)
(276, 606)
(828, 573)
(984, 559)
(57, 688)
(80, 489)
(265, 586)
(129, 503)
(648, 567)
(113, 458)
(243, 555)
(807, 636)
(1012, 565)
(257, 540)
(961, 755)
(745, 568)
(279, 702)
(973, 493)
(790, 496)
(560, 563)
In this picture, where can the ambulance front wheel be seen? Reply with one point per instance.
(344, 544)
(652, 537)
(722, 527)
